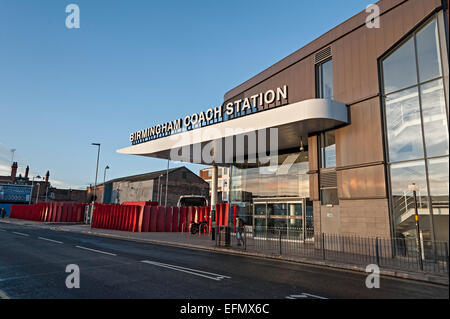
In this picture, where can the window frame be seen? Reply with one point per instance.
(388, 163)
(319, 78)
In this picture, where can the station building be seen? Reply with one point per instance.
(358, 115)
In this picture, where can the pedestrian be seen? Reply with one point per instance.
(3, 212)
(240, 231)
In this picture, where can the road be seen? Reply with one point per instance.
(33, 264)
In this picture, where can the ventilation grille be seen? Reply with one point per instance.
(328, 179)
(323, 55)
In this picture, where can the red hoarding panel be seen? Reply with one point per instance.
(175, 219)
(161, 219)
(168, 220)
(146, 219)
(153, 219)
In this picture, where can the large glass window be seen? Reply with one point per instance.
(324, 76)
(399, 68)
(417, 134)
(404, 125)
(434, 118)
(328, 149)
(428, 52)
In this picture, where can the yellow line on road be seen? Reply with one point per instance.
(3, 295)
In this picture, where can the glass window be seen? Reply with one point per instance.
(403, 175)
(427, 52)
(404, 125)
(439, 186)
(399, 69)
(325, 80)
(328, 149)
(277, 209)
(260, 209)
(295, 210)
(434, 118)
(329, 196)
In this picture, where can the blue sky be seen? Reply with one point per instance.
(131, 65)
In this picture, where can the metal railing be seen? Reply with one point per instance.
(394, 253)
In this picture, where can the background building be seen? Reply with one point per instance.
(18, 190)
(223, 186)
(151, 187)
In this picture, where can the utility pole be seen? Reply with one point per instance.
(167, 181)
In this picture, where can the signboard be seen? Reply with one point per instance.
(15, 193)
(238, 108)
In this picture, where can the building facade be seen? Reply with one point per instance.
(356, 117)
(223, 182)
(151, 187)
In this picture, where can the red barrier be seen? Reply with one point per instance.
(168, 220)
(146, 219)
(153, 219)
(175, 219)
(161, 219)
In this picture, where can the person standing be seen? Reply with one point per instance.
(3, 212)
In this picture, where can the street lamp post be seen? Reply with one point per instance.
(167, 182)
(96, 171)
(414, 188)
(95, 185)
(104, 176)
(159, 189)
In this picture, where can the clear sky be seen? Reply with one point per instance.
(131, 65)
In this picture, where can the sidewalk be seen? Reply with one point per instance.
(187, 240)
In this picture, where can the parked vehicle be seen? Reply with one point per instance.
(192, 200)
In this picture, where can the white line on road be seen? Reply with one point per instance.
(304, 296)
(2, 230)
(21, 234)
(96, 251)
(191, 271)
(51, 240)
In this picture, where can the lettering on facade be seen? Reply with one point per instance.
(238, 108)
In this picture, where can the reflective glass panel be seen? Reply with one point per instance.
(404, 125)
(295, 210)
(326, 80)
(399, 69)
(439, 186)
(428, 52)
(434, 118)
(403, 175)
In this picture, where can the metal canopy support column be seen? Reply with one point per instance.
(215, 177)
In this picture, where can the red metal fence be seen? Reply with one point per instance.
(135, 218)
(49, 212)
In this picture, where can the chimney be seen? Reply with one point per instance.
(47, 176)
(13, 172)
(27, 171)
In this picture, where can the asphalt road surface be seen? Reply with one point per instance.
(33, 264)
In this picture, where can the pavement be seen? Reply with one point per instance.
(34, 260)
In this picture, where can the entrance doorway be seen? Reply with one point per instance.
(294, 219)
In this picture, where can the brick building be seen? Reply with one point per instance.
(151, 187)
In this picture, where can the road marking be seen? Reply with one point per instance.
(196, 272)
(304, 296)
(51, 240)
(96, 251)
(2, 230)
(3, 295)
(21, 234)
